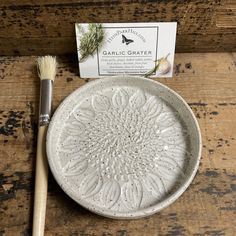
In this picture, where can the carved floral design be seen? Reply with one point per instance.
(122, 145)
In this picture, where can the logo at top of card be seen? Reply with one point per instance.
(126, 40)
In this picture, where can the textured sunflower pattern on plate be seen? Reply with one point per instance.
(123, 148)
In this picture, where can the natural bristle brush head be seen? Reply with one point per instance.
(47, 67)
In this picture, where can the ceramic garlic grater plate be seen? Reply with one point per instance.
(124, 147)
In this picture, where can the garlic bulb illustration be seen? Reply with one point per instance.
(162, 66)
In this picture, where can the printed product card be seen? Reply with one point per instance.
(144, 49)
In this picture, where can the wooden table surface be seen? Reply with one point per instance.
(207, 82)
(48, 26)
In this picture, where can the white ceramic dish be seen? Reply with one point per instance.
(124, 147)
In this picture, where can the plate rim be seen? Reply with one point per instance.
(140, 212)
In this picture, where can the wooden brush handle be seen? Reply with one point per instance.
(41, 184)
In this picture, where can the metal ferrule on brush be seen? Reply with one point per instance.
(45, 102)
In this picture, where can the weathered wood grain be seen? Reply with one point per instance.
(208, 207)
(37, 27)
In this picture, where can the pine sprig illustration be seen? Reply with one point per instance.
(90, 40)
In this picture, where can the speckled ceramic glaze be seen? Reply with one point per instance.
(124, 147)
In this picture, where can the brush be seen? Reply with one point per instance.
(47, 72)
